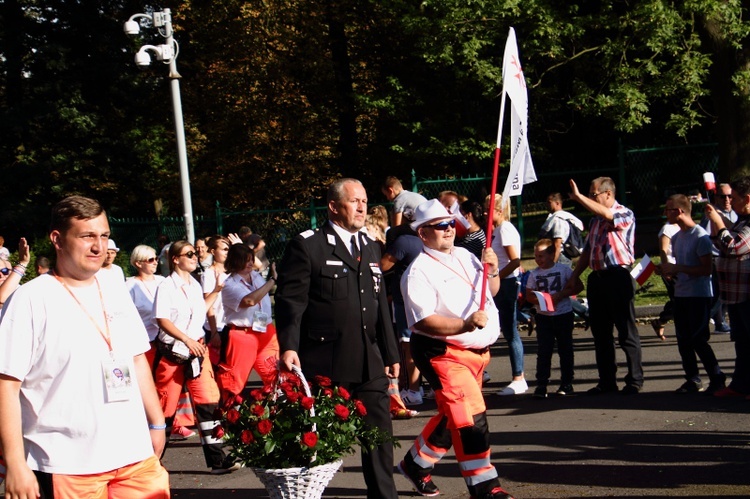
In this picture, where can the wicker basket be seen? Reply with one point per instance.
(297, 483)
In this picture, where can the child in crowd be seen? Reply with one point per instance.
(554, 316)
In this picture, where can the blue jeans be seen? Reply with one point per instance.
(506, 300)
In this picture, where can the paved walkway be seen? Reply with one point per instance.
(654, 444)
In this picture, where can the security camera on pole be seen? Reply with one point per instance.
(167, 53)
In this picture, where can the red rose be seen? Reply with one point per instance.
(360, 408)
(267, 389)
(307, 403)
(293, 396)
(247, 437)
(257, 394)
(218, 432)
(258, 410)
(233, 415)
(328, 392)
(238, 400)
(341, 411)
(310, 439)
(323, 380)
(343, 393)
(265, 426)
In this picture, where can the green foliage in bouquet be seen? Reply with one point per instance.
(276, 428)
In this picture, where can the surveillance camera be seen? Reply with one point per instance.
(132, 28)
(142, 59)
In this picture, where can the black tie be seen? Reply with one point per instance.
(355, 248)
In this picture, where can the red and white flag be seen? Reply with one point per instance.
(545, 301)
(514, 85)
(643, 270)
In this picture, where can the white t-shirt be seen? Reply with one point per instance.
(208, 282)
(668, 230)
(449, 286)
(552, 280)
(506, 234)
(49, 342)
(183, 304)
(143, 293)
(113, 272)
(235, 289)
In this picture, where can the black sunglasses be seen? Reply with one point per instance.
(190, 254)
(150, 260)
(442, 225)
(723, 195)
(5, 270)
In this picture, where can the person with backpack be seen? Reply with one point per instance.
(564, 229)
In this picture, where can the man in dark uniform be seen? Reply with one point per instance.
(332, 317)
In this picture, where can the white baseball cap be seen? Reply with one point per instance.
(112, 246)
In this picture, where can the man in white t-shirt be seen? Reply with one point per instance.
(557, 226)
(80, 414)
(110, 270)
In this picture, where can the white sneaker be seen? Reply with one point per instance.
(514, 388)
(486, 377)
(410, 397)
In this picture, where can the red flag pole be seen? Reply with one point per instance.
(493, 189)
(490, 215)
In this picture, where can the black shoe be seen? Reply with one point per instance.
(496, 493)
(690, 386)
(540, 392)
(630, 390)
(423, 484)
(228, 466)
(600, 389)
(717, 383)
(565, 390)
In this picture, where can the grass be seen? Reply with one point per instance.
(653, 291)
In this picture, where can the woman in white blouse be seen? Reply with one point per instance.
(250, 340)
(142, 290)
(180, 310)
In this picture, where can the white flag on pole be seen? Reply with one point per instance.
(514, 85)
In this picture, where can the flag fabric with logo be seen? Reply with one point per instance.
(514, 85)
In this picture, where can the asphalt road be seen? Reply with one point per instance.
(654, 444)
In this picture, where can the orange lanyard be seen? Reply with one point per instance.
(464, 277)
(106, 336)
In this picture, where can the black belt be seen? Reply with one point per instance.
(611, 268)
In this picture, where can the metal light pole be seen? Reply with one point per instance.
(168, 53)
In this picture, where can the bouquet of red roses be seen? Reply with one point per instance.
(289, 426)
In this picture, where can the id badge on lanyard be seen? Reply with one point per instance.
(117, 379)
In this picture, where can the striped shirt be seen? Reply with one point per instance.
(610, 243)
(733, 262)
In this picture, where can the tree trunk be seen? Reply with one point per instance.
(732, 111)
(344, 94)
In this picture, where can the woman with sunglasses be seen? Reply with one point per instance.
(180, 310)
(142, 288)
(506, 243)
(250, 339)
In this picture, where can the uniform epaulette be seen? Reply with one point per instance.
(307, 233)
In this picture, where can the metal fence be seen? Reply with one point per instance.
(644, 178)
